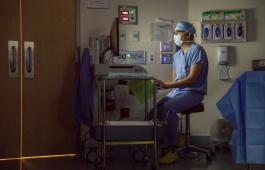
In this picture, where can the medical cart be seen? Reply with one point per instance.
(109, 133)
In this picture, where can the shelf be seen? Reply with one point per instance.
(129, 143)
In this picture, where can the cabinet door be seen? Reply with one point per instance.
(9, 87)
(48, 124)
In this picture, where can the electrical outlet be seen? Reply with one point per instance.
(151, 58)
(122, 35)
(135, 36)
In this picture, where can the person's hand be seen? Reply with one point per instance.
(159, 84)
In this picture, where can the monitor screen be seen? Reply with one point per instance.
(114, 37)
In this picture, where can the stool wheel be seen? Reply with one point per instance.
(140, 156)
(153, 167)
(212, 153)
(91, 156)
(97, 161)
(102, 167)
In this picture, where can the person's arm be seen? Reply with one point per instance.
(159, 83)
(189, 80)
(174, 75)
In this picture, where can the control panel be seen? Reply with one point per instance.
(166, 58)
(128, 14)
(258, 64)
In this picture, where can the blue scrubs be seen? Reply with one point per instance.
(180, 99)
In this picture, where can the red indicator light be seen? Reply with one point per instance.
(125, 18)
(125, 13)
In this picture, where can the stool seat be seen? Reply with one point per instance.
(194, 109)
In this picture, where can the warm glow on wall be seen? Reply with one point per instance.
(38, 157)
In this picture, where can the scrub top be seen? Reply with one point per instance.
(182, 63)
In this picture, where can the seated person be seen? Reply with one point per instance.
(189, 86)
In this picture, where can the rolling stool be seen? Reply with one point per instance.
(187, 146)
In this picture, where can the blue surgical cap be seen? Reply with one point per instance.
(185, 27)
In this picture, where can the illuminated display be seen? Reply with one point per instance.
(125, 18)
(128, 14)
(125, 13)
(166, 58)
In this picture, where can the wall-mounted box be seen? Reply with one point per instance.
(166, 46)
(207, 31)
(213, 16)
(224, 32)
(229, 29)
(224, 15)
(227, 26)
(240, 31)
(217, 31)
(235, 15)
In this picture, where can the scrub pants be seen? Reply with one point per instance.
(167, 109)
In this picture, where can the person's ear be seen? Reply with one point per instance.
(187, 36)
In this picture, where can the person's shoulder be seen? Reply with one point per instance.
(197, 48)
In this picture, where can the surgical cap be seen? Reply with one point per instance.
(185, 27)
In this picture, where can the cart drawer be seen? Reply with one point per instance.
(123, 132)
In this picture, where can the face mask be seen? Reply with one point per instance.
(177, 40)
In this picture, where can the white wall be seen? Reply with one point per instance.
(241, 53)
(98, 21)
(95, 22)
